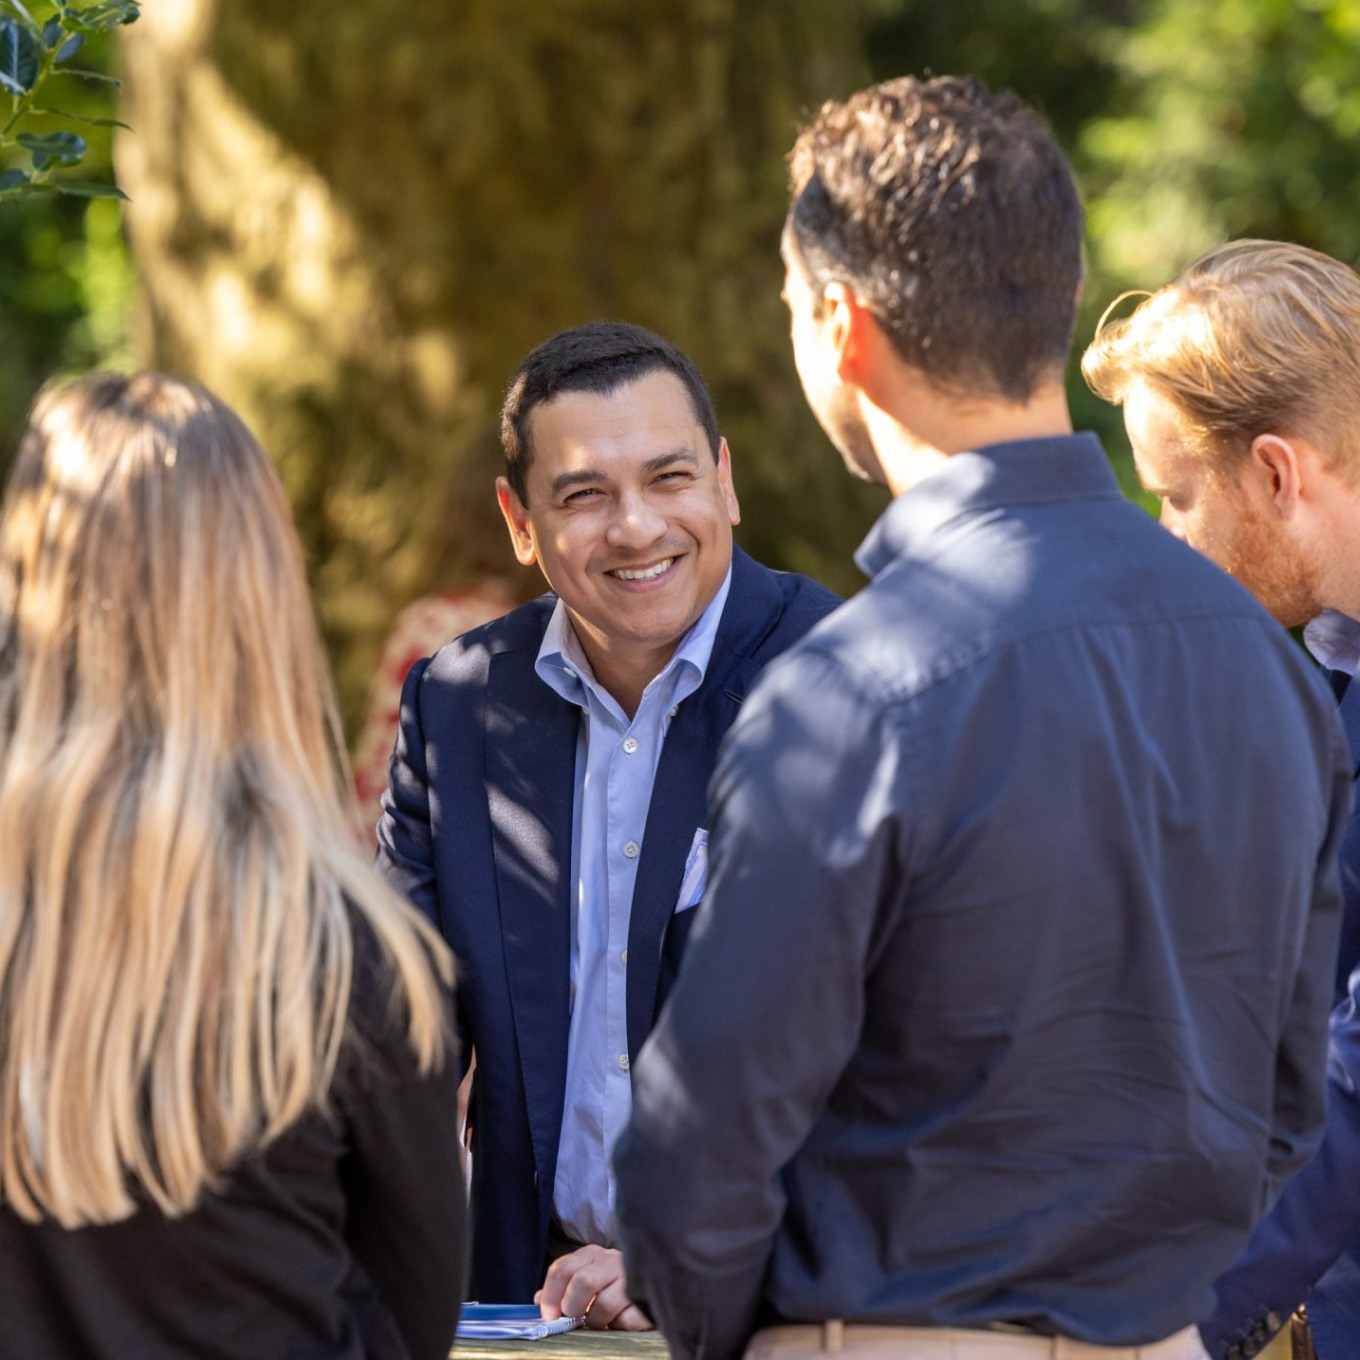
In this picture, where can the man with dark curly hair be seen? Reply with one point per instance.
(1002, 1023)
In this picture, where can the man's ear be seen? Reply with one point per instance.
(517, 521)
(865, 356)
(729, 491)
(1280, 466)
(850, 331)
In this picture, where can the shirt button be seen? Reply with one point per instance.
(630, 851)
(629, 745)
(673, 712)
(623, 1062)
(623, 958)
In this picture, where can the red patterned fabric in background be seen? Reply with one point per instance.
(421, 629)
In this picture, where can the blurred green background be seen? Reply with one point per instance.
(351, 218)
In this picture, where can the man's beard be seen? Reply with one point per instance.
(845, 428)
(1279, 573)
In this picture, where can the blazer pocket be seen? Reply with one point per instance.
(695, 878)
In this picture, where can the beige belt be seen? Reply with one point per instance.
(952, 1343)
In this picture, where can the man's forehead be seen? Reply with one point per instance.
(632, 424)
(1153, 417)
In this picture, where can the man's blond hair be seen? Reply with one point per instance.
(1254, 337)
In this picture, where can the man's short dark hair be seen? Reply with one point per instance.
(953, 215)
(600, 358)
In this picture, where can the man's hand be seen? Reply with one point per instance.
(589, 1283)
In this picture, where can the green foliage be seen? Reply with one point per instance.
(397, 214)
(65, 280)
(33, 50)
(1229, 118)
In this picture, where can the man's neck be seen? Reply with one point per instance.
(623, 672)
(914, 436)
(1336, 563)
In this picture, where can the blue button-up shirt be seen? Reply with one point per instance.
(616, 761)
(1007, 1002)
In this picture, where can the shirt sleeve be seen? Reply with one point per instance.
(1318, 1213)
(405, 842)
(1300, 1071)
(1316, 1217)
(406, 1201)
(806, 853)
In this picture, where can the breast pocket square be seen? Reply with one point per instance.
(696, 873)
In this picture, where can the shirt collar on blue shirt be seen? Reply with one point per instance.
(1022, 472)
(563, 667)
(1334, 639)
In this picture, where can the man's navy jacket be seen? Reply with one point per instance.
(1292, 1257)
(477, 830)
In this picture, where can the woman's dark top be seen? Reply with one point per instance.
(344, 1241)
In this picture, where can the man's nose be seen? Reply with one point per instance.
(635, 524)
(1173, 522)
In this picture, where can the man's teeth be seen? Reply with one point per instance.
(645, 573)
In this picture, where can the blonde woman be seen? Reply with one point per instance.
(227, 1104)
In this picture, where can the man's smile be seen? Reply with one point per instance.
(645, 574)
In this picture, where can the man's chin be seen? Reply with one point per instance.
(858, 454)
(864, 468)
(1291, 603)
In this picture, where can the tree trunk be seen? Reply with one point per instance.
(352, 219)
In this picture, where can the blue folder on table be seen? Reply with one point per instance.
(510, 1321)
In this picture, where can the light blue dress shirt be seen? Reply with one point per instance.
(616, 762)
(1334, 640)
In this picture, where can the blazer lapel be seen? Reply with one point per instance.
(678, 807)
(680, 794)
(1349, 708)
(530, 786)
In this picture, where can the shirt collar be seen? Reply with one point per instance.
(562, 665)
(1334, 639)
(1021, 472)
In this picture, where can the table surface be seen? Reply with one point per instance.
(578, 1345)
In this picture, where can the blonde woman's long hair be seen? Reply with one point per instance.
(179, 885)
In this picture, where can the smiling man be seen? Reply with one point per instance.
(547, 800)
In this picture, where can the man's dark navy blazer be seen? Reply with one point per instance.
(1308, 1248)
(476, 831)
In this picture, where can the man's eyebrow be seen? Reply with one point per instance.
(663, 460)
(579, 478)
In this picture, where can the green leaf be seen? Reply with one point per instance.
(52, 31)
(102, 17)
(18, 8)
(71, 46)
(12, 179)
(64, 147)
(90, 75)
(19, 59)
(81, 188)
(80, 117)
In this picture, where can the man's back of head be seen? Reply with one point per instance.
(952, 214)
